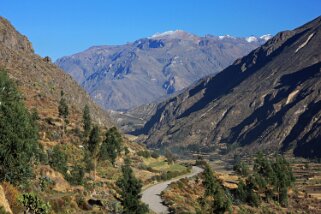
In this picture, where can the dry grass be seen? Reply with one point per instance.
(12, 194)
(4, 201)
(160, 164)
(60, 184)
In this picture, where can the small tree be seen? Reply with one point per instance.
(86, 120)
(63, 112)
(283, 196)
(253, 198)
(271, 178)
(63, 107)
(89, 164)
(241, 192)
(18, 134)
(94, 139)
(93, 145)
(222, 202)
(111, 146)
(214, 190)
(283, 178)
(263, 166)
(209, 182)
(130, 188)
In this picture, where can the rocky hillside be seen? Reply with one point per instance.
(126, 76)
(40, 80)
(62, 175)
(268, 100)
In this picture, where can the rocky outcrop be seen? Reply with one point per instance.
(12, 39)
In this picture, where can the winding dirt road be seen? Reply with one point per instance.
(151, 195)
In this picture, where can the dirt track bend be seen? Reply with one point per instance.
(151, 195)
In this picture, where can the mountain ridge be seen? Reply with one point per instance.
(44, 82)
(117, 76)
(254, 102)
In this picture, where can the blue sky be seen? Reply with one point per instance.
(63, 27)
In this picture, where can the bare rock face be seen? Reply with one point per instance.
(40, 81)
(268, 100)
(12, 39)
(126, 76)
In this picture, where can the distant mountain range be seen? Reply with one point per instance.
(269, 100)
(121, 77)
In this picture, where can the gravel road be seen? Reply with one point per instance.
(151, 195)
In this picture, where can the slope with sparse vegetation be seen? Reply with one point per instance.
(59, 152)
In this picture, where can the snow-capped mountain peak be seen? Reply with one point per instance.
(251, 39)
(169, 33)
(266, 37)
(226, 37)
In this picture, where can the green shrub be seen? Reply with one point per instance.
(34, 114)
(58, 160)
(76, 176)
(241, 168)
(33, 204)
(45, 182)
(154, 154)
(270, 178)
(144, 154)
(142, 166)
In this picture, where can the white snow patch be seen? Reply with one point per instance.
(166, 33)
(251, 39)
(304, 43)
(226, 37)
(266, 37)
